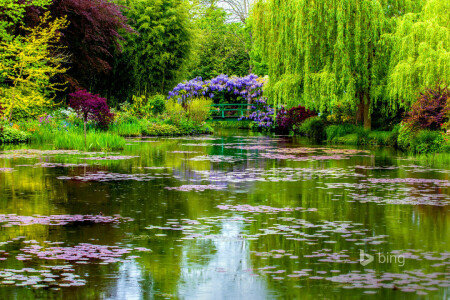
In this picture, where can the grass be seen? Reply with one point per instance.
(356, 135)
(231, 124)
(96, 140)
(127, 129)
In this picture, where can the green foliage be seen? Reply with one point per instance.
(406, 135)
(322, 54)
(426, 141)
(96, 140)
(126, 128)
(336, 131)
(144, 107)
(154, 129)
(27, 65)
(420, 54)
(10, 135)
(153, 60)
(157, 104)
(175, 112)
(12, 14)
(220, 46)
(199, 109)
(313, 128)
(232, 124)
(356, 135)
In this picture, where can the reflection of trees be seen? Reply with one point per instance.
(224, 271)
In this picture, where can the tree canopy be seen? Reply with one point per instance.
(27, 65)
(329, 53)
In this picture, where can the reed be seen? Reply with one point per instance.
(95, 140)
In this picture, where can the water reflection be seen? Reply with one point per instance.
(226, 271)
(200, 251)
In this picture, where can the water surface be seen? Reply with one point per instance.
(236, 215)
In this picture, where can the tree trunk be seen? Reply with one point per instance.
(85, 137)
(367, 118)
(363, 112)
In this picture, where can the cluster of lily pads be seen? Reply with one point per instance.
(197, 188)
(103, 176)
(262, 208)
(15, 220)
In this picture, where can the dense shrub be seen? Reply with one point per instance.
(157, 129)
(175, 112)
(10, 135)
(199, 109)
(232, 124)
(426, 141)
(313, 128)
(431, 110)
(91, 108)
(406, 135)
(336, 131)
(393, 138)
(154, 129)
(342, 113)
(286, 119)
(157, 104)
(381, 138)
(144, 107)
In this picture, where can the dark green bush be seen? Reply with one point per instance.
(336, 131)
(427, 141)
(157, 104)
(313, 128)
(393, 138)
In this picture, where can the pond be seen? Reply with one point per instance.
(235, 215)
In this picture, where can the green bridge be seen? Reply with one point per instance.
(230, 111)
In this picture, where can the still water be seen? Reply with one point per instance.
(236, 215)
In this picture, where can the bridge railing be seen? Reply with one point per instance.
(241, 108)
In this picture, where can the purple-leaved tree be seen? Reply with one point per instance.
(91, 107)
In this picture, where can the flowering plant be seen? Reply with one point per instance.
(263, 117)
(286, 119)
(230, 88)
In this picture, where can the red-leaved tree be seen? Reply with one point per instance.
(431, 108)
(93, 34)
(286, 119)
(91, 107)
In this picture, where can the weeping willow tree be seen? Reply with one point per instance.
(420, 54)
(328, 53)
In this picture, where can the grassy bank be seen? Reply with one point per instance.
(231, 124)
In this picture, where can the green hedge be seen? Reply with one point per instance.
(9, 135)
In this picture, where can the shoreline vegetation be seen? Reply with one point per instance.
(130, 81)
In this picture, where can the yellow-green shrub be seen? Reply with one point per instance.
(175, 112)
(199, 109)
